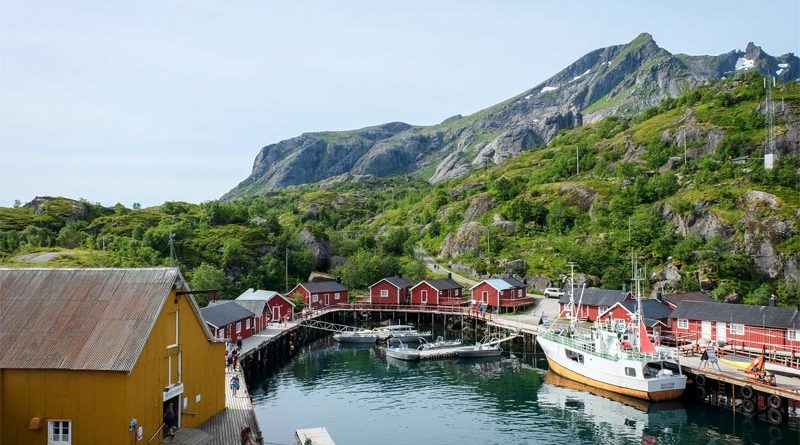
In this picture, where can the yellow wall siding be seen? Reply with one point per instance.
(102, 404)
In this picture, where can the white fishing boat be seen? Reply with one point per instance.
(613, 357)
(402, 352)
(438, 344)
(363, 336)
(401, 332)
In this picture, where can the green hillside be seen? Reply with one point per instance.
(704, 220)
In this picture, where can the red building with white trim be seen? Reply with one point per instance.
(501, 293)
(593, 302)
(673, 300)
(437, 293)
(318, 294)
(268, 306)
(754, 328)
(228, 320)
(390, 290)
(655, 314)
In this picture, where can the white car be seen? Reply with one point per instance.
(553, 292)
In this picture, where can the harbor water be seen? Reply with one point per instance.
(362, 397)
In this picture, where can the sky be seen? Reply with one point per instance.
(153, 101)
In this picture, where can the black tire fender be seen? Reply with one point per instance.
(747, 392)
(774, 416)
(749, 407)
(700, 379)
(774, 401)
(700, 392)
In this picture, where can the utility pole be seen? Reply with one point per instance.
(286, 268)
(577, 161)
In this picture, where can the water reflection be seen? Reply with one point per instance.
(362, 397)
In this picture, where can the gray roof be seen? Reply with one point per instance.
(254, 306)
(443, 284)
(260, 294)
(651, 308)
(594, 296)
(398, 282)
(324, 286)
(677, 299)
(776, 317)
(514, 282)
(224, 313)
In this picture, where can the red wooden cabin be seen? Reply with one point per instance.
(268, 306)
(593, 302)
(753, 328)
(228, 320)
(506, 293)
(673, 300)
(318, 294)
(655, 314)
(438, 293)
(390, 290)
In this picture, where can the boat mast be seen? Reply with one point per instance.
(572, 290)
(637, 279)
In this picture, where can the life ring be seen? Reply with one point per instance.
(749, 407)
(700, 379)
(774, 401)
(747, 392)
(700, 393)
(774, 416)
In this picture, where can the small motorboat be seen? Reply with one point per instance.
(440, 343)
(479, 350)
(401, 332)
(402, 352)
(356, 337)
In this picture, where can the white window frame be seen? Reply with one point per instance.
(314, 298)
(737, 329)
(384, 293)
(423, 296)
(793, 334)
(238, 327)
(336, 296)
(177, 329)
(61, 441)
(519, 293)
(683, 323)
(601, 309)
(221, 333)
(457, 291)
(247, 324)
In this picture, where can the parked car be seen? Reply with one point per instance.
(553, 292)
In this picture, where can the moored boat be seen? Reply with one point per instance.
(402, 352)
(479, 350)
(621, 359)
(438, 344)
(401, 332)
(356, 337)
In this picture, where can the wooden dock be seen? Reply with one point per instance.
(316, 436)
(226, 426)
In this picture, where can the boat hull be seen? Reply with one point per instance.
(355, 338)
(409, 355)
(479, 353)
(605, 374)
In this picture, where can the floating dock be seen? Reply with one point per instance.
(315, 436)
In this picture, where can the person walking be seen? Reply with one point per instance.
(234, 384)
(239, 342)
(704, 358)
(246, 436)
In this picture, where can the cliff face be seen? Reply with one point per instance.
(617, 80)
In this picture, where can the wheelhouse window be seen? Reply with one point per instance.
(384, 293)
(630, 372)
(574, 356)
(59, 432)
(683, 323)
(737, 329)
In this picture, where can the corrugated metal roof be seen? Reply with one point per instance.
(502, 283)
(225, 313)
(677, 299)
(651, 308)
(398, 282)
(80, 319)
(594, 296)
(515, 282)
(775, 317)
(254, 306)
(257, 294)
(441, 284)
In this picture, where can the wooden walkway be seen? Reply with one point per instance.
(227, 425)
(788, 387)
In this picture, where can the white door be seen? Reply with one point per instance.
(722, 331)
(424, 297)
(276, 313)
(705, 330)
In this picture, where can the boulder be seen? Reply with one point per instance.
(700, 221)
(754, 199)
(319, 247)
(518, 266)
(538, 282)
(480, 205)
(337, 260)
(466, 239)
(761, 238)
(506, 226)
(579, 195)
(791, 270)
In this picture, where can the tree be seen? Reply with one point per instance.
(365, 268)
(208, 277)
(136, 206)
(71, 236)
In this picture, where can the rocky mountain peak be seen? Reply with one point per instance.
(752, 51)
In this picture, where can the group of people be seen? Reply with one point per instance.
(232, 355)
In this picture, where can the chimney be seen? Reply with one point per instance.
(213, 296)
(339, 280)
(449, 275)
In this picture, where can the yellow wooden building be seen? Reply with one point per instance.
(94, 356)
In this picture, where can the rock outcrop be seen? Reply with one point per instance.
(466, 239)
(319, 247)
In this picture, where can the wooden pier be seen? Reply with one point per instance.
(226, 426)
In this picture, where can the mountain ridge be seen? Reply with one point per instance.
(616, 80)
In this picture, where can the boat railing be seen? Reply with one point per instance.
(664, 354)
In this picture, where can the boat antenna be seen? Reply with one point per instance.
(572, 265)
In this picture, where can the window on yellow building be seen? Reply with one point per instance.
(59, 432)
(172, 336)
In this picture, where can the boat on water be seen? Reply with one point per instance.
(402, 352)
(401, 332)
(362, 336)
(614, 357)
(438, 344)
(479, 350)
